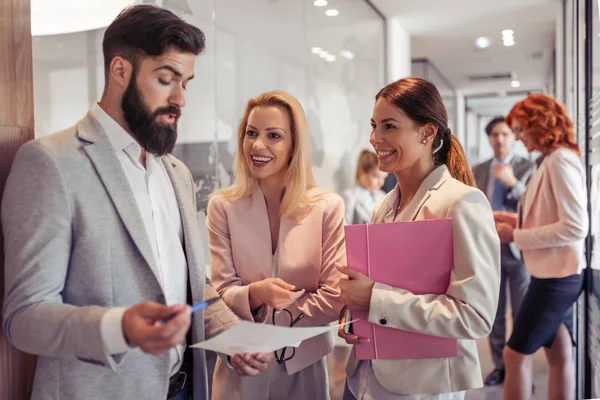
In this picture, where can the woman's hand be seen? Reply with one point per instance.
(273, 292)
(349, 337)
(505, 232)
(504, 217)
(355, 291)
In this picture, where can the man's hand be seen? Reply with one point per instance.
(506, 175)
(142, 326)
(251, 364)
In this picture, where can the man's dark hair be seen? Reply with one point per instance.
(146, 30)
(492, 124)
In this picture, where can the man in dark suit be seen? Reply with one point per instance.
(503, 179)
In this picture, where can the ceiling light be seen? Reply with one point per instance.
(482, 42)
(320, 3)
(324, 54)
(332, 12)
(347, 54)
(316, 50)
(508, 37)
(330, 58)
(515, 84)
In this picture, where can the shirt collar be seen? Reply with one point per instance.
(507, 160)
(119, 138)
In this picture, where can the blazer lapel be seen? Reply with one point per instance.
(262, 231)
(486, 170)
(433, 181)
(107, 165)
(185, 204)
(189, 223)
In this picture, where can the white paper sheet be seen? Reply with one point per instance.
(248, 337)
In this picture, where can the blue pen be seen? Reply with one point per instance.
(197, 307)
(204, 304)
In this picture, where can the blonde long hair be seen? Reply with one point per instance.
(299, 177)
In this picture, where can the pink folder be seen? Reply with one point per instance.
(416, 256)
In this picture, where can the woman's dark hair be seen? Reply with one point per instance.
(422, 103)
(146, 30)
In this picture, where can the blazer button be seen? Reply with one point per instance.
(160, 299)
(383, 321)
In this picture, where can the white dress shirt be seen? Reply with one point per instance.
(156, 201)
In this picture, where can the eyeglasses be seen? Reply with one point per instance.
(281, 358)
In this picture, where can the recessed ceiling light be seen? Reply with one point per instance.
(515, 84)
(316, 50)
(332, 12)
(347, 54)
(508, 32)
(509, 42)
(324, 54)
(320, 3)
(330, 58)
(482, 42)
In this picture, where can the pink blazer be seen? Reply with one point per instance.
(555, 218)
(240, 253)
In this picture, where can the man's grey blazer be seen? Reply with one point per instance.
(75, 245)
(523, 170)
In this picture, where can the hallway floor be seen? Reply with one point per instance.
(336, 363)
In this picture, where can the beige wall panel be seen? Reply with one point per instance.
(16, 81)
(16, 127)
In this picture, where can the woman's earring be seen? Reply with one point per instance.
(424, 141)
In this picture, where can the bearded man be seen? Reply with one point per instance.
(103, 249)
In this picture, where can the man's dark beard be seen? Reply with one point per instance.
(155, 137)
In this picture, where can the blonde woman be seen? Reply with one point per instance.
(361, 199)
(275, 238)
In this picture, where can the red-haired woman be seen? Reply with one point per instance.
(549, 230)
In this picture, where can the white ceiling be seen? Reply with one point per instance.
(445, 32)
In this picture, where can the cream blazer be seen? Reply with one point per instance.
(468, 308)
(307, 249)
(554, 218)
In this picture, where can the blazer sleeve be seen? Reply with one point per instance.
(567, 182)
(479, 174)
(323, 306)
(36, 222)
(468, 308)
(513, 195)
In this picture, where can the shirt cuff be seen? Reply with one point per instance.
(111, 330)
(379, 303)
